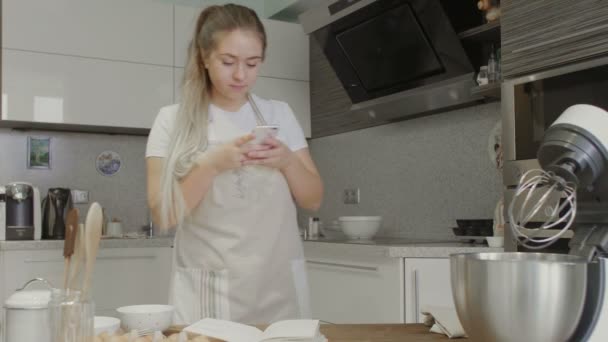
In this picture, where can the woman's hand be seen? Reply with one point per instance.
(230, 155)
(275, 155)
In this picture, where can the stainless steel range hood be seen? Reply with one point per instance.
(433, 94)
(436, 97)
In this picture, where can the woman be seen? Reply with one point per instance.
(237, 255)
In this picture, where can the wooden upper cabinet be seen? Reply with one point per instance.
(541, 34)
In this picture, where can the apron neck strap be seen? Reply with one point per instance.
(258, 115)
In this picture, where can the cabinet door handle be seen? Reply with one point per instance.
(134, 257)
(559, 39)
(348, 266)
(416, 297)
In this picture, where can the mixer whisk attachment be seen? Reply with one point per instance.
(557, 200)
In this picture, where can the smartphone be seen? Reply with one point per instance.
(263, 132)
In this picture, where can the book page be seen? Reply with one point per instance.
(225, 330)
(304, 329)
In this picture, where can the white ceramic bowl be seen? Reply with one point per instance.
(108, 325)
(360, 227)
(495, 241)
(146, 317)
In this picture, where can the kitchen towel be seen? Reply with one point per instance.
(443, 320)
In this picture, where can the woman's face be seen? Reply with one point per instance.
(233, 65)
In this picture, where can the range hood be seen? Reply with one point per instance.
(394, 58)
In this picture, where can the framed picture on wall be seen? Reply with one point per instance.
(38, 152)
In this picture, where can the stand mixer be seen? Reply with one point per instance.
(574, 160)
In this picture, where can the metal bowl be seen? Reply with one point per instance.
(518, 296)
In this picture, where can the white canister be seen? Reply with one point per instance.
(26, 317)
(114, 229)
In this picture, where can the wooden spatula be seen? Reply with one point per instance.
(71, 229)
(92, 233)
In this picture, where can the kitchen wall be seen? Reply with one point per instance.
(419, 174)
(73, 155)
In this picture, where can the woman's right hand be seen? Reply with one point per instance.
(230, 155)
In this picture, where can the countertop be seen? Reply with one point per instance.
(105, 243)
(372, 333)
(397, 247)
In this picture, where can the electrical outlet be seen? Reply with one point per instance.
(80, 196)
(351, 196)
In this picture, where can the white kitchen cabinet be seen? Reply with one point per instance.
(39, 87)
(427, 282)
(286, 54)
(131, 276)
(133, 30)
(295, 93)
(122, 276)
(350, 289)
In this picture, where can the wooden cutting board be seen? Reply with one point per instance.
(369, 333)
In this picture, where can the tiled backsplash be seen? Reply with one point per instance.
(419, 174)
(73, 155)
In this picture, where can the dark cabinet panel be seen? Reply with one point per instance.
(541, 34)
(330, 105)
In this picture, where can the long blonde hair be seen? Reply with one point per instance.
(189, 135)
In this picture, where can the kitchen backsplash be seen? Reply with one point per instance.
(73, 155)
(420, 175)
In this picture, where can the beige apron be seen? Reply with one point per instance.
(239, 256)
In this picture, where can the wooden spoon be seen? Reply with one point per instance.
(71, 230)
(92, 233)
(77, 260)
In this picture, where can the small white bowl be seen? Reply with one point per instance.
(108, 325)
(360, 227)
(495, 241)
(146, 317)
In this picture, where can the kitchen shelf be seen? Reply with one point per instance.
(490, 91)
(489, 32)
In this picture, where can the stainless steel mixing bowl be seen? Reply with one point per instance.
(518, 296)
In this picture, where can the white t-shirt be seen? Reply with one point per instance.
(274, 112)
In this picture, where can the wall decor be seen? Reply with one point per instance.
(38, 152)
(108, 163)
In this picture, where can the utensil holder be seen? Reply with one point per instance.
(71, 317)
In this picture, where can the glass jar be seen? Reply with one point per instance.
(71, 317)
(482, 76)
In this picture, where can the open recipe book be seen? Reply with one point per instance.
(299, 330)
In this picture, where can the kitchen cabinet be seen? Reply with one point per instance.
(427, 282)
(546, 33)
(131, 276)
(67, 66)
(330, 104)
(351, 289)
(122, 276)
(60, 89)
(135, 30)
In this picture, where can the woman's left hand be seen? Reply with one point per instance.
(276, 155)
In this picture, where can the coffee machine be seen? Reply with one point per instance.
(20, 212)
